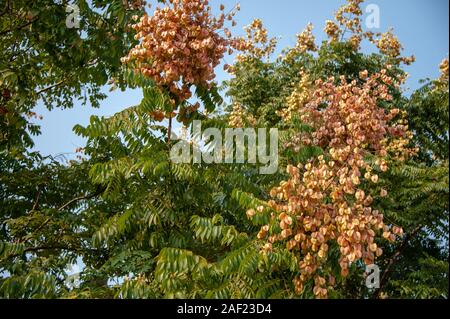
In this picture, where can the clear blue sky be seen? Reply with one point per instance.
(421, 25)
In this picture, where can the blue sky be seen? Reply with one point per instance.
(421, 25)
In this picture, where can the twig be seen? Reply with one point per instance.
(36, 203)
(91, 63)
(394, 259)
(18, 28)
(169, 131)
(32, 249)
(48, 220)
(81, 198)
(6, 9)
(51, 87)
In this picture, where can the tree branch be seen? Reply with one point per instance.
(48, 220)
(18, 28)
(91, 63)
(77, 199)
(34, 249)
(39, 248)
(169, 131)
(51, 87)
(6, 9)
(36, 202)
(394, 259)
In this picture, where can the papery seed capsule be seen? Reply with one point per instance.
(251, 213)
(288, 220)
(379, 252)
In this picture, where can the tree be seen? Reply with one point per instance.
(44, 60)
(363, 170)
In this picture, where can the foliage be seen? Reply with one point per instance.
(142, 226)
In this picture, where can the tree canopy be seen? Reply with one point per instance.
(363, 167)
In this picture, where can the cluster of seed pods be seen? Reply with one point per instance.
(180, 45)
(328, 201)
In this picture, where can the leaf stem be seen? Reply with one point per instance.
(169, 131)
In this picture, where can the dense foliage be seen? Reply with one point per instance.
(363, 172)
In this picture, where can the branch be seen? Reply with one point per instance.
(394, 259)
(51, 87)
(36, 203)
(91, 63)
(35, 249)
(18, 28)
(77, 199)
(6, 9)
(169, 131)
(48, 220)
